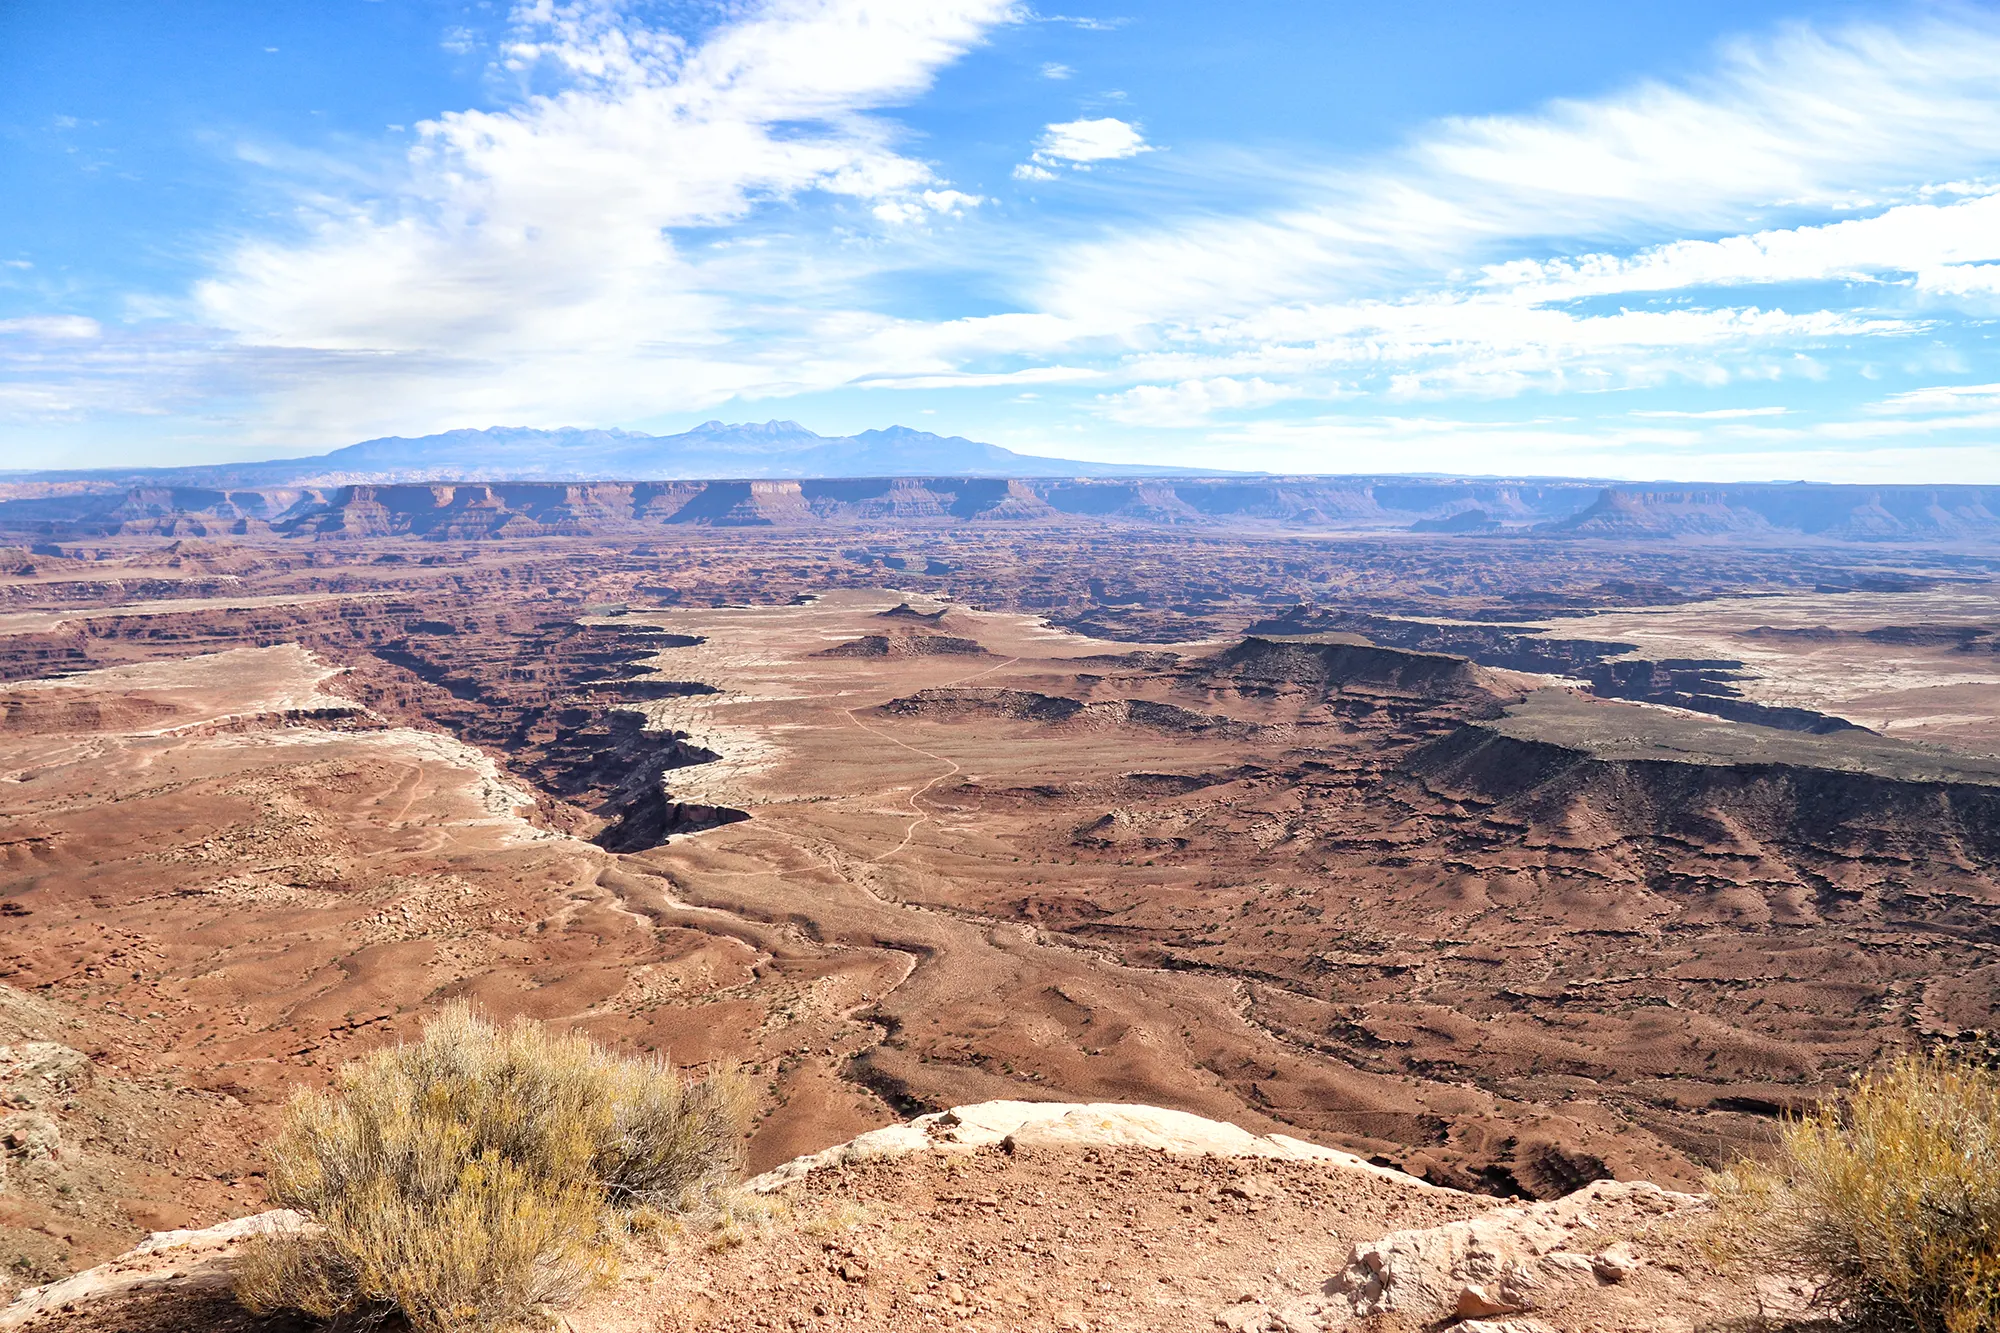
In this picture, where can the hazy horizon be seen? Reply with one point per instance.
(452, 473)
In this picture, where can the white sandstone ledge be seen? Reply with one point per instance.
(1067, 1125)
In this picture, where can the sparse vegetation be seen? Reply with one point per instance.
(1888, 1199)
(477, 1179)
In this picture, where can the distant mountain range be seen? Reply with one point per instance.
(712, 450)
(778, 472)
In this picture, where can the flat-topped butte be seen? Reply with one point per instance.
(1607, 729)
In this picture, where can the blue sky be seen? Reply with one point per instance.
(1685, 240)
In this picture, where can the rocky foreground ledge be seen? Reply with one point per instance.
(1080, 1218)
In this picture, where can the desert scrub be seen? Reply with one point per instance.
(477, 1179)
(1887, 1199)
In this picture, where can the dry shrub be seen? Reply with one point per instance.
(473, 1180)
(1889, 1200)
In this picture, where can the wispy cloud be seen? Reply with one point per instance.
(1943, 398)
(1083, 21)
(1194, 402)
(1460, 345)
(62, 328)
(1801, 124)
(1931, 244)
(1713, 414)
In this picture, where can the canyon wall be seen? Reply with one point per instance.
(445, 511)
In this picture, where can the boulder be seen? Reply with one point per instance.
(31, 1135)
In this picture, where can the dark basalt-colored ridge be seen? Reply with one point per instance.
(1329, 664)
(948, 704)
(905, 645)
(1704, 686)
(1576, 771)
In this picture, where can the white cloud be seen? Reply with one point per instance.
(1081, 142)
(1028, 171)
(1961, 279)
(949, 203)
(68, 368)
(530, 261)
(1054, 71)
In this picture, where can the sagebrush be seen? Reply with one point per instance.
(476, 1179)
(1887, 1199)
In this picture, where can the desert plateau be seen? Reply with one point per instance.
(1503, 864)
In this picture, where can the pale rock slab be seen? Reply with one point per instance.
(198, 1257)
(1067, 1125)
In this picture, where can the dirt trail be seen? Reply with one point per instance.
(952, 767)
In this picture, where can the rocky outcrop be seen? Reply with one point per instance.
(35, 1073)
(947, 703)
(905, 645)
(904, 611)
(1507, 1265)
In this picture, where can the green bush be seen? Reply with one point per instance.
(475, 1179)
(1888, 1200)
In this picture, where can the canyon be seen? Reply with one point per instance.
(1511, 855)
